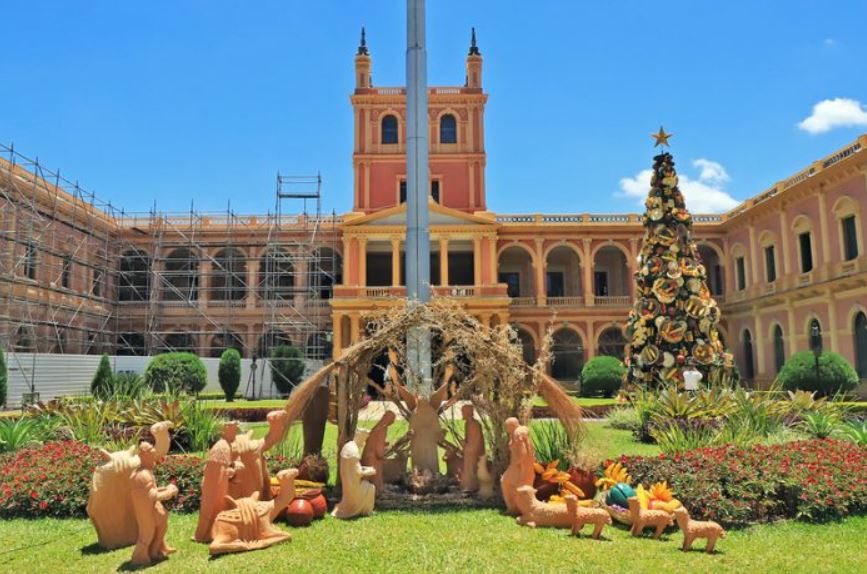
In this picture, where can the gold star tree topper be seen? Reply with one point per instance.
(661, 137)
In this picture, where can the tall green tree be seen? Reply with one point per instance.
(674, 319)
(229, 373)
(102, 385)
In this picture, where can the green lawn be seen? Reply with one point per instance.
(277, 403)
(450, 541)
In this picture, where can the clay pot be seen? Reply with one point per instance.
(317, 500)
(299, 512)
(584, 480)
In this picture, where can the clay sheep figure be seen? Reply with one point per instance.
(642, 519)
(534, 512)
(581, 516)
(359, 494)
(693, 529)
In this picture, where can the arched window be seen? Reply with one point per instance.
(227, 283)
(448, 129)
(389, 129)
(612, 342)
(814, 334)
(859, 331)
(178, 342)
(276, 276)
(181, 275)
(568, 355)
(30, 259)
(779, 348)
(222, 341)
(749, 363)
(131, 344)
(133, 279)
(528, 346)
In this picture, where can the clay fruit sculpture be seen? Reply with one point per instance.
(619, 495)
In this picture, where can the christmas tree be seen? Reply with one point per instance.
(673, 323)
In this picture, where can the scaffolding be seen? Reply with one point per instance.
(79, 275)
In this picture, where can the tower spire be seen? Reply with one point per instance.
(362, 46)
(474, 50)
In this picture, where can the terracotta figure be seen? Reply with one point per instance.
(151, 518)
(474, 449)
(219, 470)
(582, 516)
(642, 518)
(373, 454)
(520, 470)
(693, 529)
(109, 505)
(534, 512)
(486, 480)
(358, 493)
(454, 461)
(248, 524)
(248, 454)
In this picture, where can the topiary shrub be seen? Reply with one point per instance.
(287, 367)
(176, 372)
(602, 376)
(4, 380)
(102, 385)
(835, 374)
(229, 373)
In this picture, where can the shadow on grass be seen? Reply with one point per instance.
(93, 549)
(128, 566)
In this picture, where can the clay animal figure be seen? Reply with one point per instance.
(486, 480)
(520, 470)
(581, 516)
(535, 513)
(248, 455)
(151, 518)
(219, 470)
(109, 505)
(248, 524)
(693, 529)
(359, 494)
(474, 449)
(373, 454)
(641, 519)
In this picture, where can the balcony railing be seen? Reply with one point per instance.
(455, 291)
(571, 301)
(523, 302)
(612, 300)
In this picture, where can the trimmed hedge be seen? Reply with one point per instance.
(102, 385)
(287, 367)
(602, 376)
(176, 371)
(229, 373)
(835, 374)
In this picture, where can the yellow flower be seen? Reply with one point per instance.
(661, 491)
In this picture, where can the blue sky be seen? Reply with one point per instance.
(205, 100)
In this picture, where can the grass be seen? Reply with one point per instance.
(449, 541)
(277, 403)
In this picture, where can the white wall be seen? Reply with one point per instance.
(62, 375)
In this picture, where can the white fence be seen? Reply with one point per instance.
(54, 376)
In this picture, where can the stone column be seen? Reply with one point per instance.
(823, 230)
(492, 258)
(477, 260)
(754, 258)
(444, 261)
(590, 344)
(832, 322)
(205, 270)
(760, 343)
(395, 262)
(336, 336)
(784, 239)
(348, 268)
(250, 279)
(539, 269)
(299, 280)
(633, 265)
(587, 270)
(354, 328)
(362, 261)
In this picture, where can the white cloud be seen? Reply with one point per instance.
(836, 113)
(830, 42)
(702, 195)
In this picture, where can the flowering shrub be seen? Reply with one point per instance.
(54, 480)
(815, 480)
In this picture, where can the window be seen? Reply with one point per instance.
(96, 288)
(448, 129)
(770, 264)
(434, 190)
(30, 261)
(806, 244)
(513, 283)
(779, 348)
(389, 129)
(600, 283)
(741, 273)
(850, 238)
(860, 334)
(749, 366)
(814, 335)
(555, 284)
(66, 272)
(612, 343)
